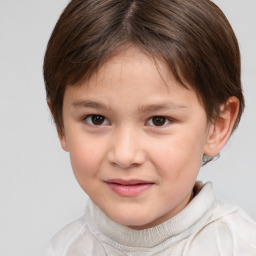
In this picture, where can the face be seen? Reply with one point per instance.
(136, 139)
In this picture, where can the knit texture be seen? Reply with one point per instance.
(204, 227)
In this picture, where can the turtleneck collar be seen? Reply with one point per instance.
(193, 214)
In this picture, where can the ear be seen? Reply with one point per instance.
(221, 129)
(63, 140)
(61, 134)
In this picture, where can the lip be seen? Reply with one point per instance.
(129, 188)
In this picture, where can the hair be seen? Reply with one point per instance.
(193, 37)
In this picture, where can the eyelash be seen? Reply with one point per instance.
(86, 118)
(164, 119)
(104, 121)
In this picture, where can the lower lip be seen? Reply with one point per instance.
(129, 190)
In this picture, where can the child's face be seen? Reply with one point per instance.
(136, 139)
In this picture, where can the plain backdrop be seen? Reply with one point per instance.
(38, 193)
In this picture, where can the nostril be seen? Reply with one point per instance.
(125, 166)
(125, 152)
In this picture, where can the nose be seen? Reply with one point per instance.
(126, 150)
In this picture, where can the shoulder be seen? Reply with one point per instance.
(230, 230)
(61, 241)
(240, 228)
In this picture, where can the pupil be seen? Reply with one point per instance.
(158, 120)
(97, 119)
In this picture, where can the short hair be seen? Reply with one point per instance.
(193, 37)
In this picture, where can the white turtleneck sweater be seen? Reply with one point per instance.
(205, 227)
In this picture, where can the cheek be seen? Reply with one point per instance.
(178, 157)
(85, 162)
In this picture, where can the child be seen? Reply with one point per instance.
(142, 93)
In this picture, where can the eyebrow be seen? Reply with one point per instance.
(164, 106)
(89, 104)
(145, 109)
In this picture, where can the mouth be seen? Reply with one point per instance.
(129, 188)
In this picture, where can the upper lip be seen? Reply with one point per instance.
(128, 182)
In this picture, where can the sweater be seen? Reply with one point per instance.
(205, 227)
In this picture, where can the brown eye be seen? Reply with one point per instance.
(158, 121)
(96, 120)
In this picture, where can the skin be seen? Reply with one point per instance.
(127, 143)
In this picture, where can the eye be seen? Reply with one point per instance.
(158, 121)
(97, 120)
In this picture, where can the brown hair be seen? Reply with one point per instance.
(193, 37)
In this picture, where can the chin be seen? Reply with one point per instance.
(135, 216)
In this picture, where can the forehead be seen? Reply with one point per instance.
(136, 75)
(123, 65)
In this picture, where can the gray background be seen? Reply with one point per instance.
(38, 193)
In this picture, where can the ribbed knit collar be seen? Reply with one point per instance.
(193, 214)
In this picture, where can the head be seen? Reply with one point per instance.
(187, 44)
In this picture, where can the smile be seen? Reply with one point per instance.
(129, 188)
